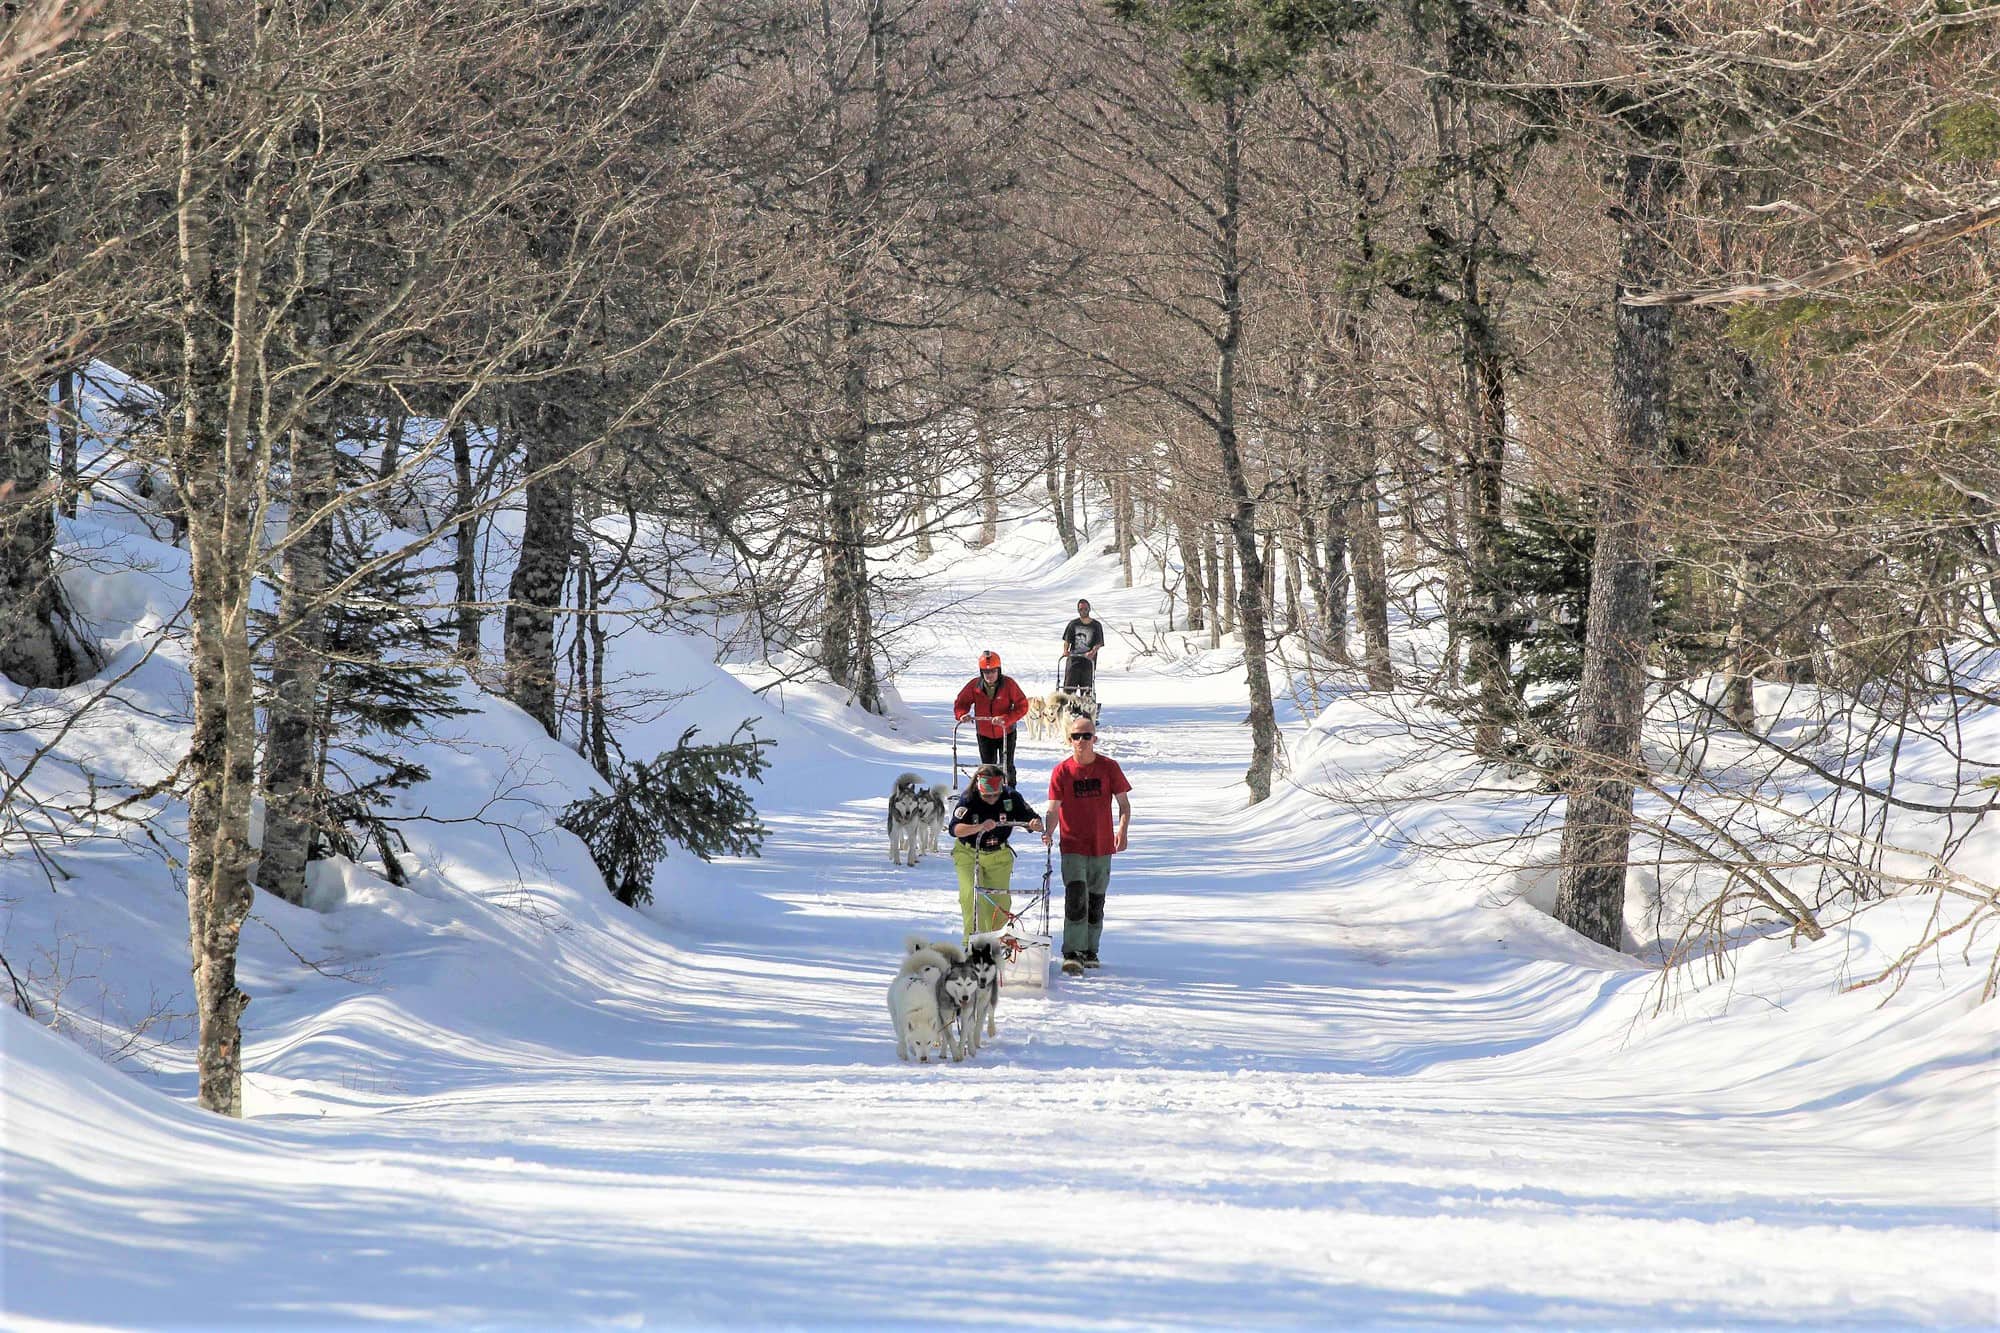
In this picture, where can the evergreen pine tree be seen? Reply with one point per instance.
(1542, 572)
(376, 690)
(686, 796)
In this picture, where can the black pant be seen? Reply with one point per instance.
(990, 749)
(1082, 674)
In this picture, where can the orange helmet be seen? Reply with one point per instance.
(989, 658)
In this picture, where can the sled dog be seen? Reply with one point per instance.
(983, 957)
(957, 992)
(1036, 724)
(1072, 705)
(936, 799)
(916, 1002)
(908, 802)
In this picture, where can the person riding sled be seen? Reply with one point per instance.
(996, 703)
(1082, 638)
(985, 816)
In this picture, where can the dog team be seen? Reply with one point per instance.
(943, 996)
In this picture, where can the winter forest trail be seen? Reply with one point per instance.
(1314, 1086)
(1309, 1087)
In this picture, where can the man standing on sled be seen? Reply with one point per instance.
(988, 811)
(996, 705)
(1082, 638)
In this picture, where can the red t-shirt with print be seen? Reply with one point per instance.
(1085, 791)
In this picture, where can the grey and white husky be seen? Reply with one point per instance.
(909, 804)
(936, 800)
(959, 991)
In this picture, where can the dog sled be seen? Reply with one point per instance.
(1076, 674)
(1023, 937)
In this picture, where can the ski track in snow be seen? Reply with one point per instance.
(1313, 1086)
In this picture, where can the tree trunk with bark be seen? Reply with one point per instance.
(215, 478)
(297, 652)
(1611, 698)
(1252, 587)
(69, 436)
(989, 488)
(534, 594)
(1371, 574)
(1191, 576)
(35, 645)
(465, 552)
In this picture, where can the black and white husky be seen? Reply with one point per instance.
(983, 957)
(1069, 706)
(909, 829)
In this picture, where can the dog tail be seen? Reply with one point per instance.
(951, 953)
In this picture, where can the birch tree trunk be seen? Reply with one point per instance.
(1739, 691)
(215, 478)
(534, 594)
(1597, 830)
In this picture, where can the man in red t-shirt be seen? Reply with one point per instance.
(1082, 791)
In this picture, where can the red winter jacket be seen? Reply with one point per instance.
(997, 713)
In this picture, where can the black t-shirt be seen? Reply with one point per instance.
(1082, 637)
(972, 808)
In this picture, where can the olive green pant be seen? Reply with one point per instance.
(1085, 878)
(996, 871)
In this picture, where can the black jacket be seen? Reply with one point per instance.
(972, 808)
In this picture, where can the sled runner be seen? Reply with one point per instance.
(1023, 935)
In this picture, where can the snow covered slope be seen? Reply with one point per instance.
(1316, 1084)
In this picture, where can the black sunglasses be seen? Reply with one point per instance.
(1083, 735)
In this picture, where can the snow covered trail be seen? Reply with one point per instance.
(1313, 1086)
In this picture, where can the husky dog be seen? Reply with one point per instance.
(1070, 706)
(939, 799)
(908, 803)
(931, 817)
(983, 957)
(1036, 724)
(957, 992)
(913, 1008)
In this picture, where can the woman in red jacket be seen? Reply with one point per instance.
(997, 706)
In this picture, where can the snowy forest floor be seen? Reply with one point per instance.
(1316, 1083)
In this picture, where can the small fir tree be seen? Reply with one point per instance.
(1543, 566)
(377, 690)
(687, 796)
